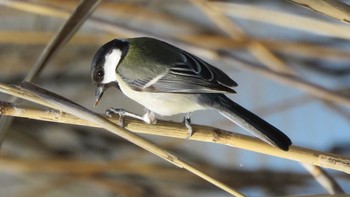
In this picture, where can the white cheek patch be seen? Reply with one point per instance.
(112, 60)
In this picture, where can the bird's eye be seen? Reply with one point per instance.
(99, 75)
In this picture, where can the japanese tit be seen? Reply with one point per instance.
(167, 80)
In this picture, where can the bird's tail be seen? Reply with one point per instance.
(245, 119)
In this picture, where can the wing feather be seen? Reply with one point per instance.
(170, 69)
(193, 75)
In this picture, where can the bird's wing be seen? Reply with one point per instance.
(193, 75)
(160, 67)
(188, 74)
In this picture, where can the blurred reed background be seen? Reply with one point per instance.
(298, 80)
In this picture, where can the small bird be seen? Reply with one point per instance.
(167, 80)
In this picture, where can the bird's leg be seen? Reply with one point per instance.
(121, 112)
(187, 121)
(149, 117)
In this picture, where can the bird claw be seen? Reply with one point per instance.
(112, 112)
(189, 132)
(187, 121)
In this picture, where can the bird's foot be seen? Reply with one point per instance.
(149, 117)
(187, 121)
(120, 112)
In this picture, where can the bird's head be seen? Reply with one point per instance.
(105, 63)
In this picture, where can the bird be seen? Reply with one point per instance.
(167, 81)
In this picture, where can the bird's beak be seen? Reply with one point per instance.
(98, 93)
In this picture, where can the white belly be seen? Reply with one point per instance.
(165, 104)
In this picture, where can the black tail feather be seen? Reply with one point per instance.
(246, 119)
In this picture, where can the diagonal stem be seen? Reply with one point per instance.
(178, 130)
(259, 50)
(324, 179)
(41, 96)
(66, 32)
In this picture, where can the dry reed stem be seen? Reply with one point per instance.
(41, 96)
(50, 185)
(299, 101)
(202, 133)
(45, 10)
(235, 10)
(260, 51)
(144, 14)
(295, 82)
(119, 188)
(40, 38)
(214, 41)
(65, 33)
(89, 168)
(324, 179)
(308, 87)
(35, 8)
(86, 170)
(284, 19)
(211, 41)
(288, 20)
(335, 9)
(320, 195)
(309, 50)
